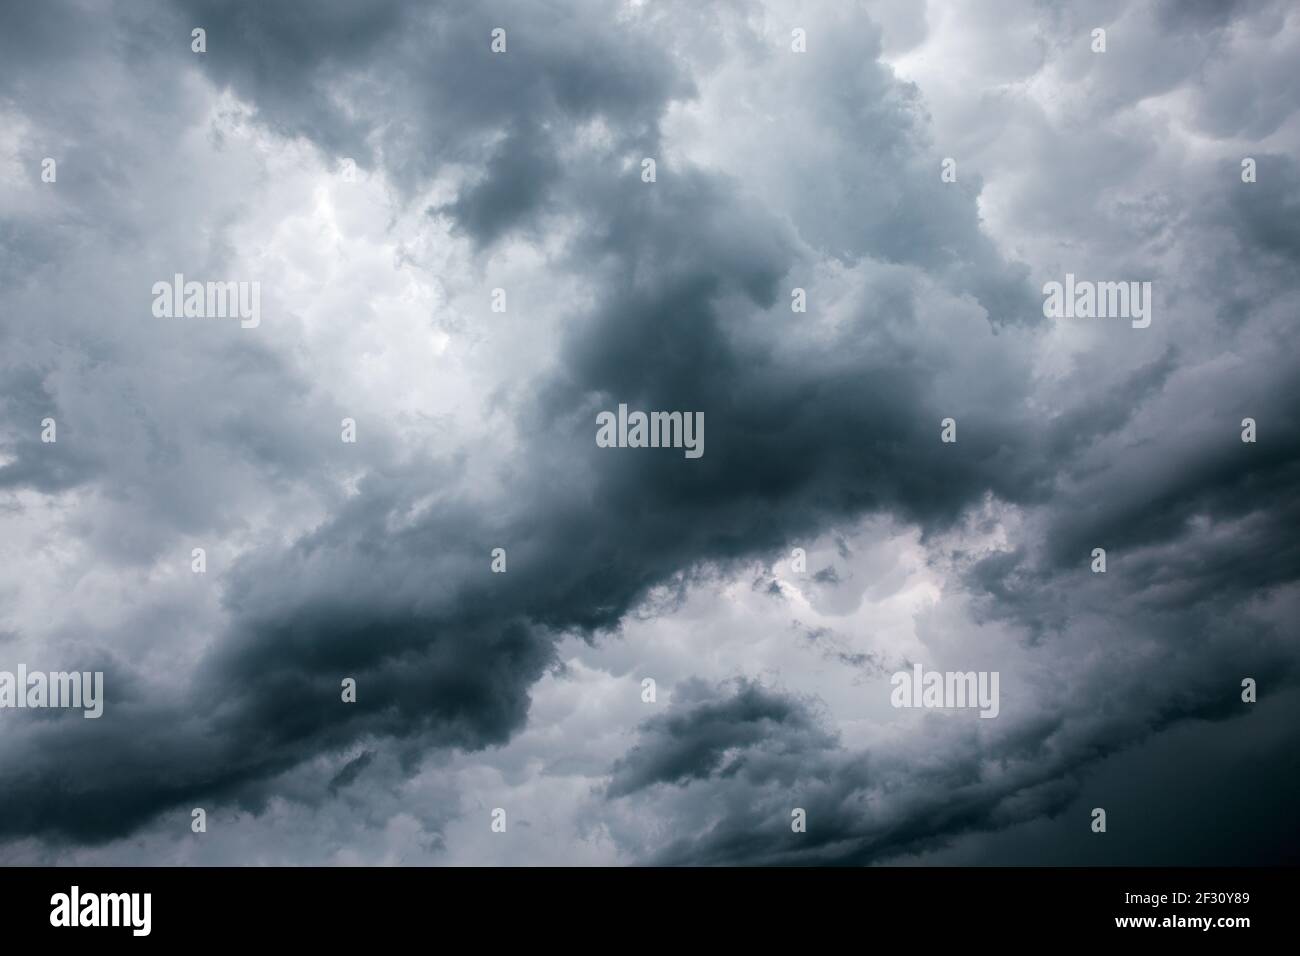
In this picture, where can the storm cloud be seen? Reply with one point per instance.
(521, 171)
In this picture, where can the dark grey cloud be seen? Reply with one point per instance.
(415, 87)
(701, 742)
(352, 770)
(1263, 217)
(32, 462)
(811, 421)
(924, 793)
(448, 652)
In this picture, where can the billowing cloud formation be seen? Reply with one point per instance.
(775, 171)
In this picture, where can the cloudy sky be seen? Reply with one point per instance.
(379, 171)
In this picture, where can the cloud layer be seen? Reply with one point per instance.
(521, 171)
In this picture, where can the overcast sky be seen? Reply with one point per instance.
(775, 170)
